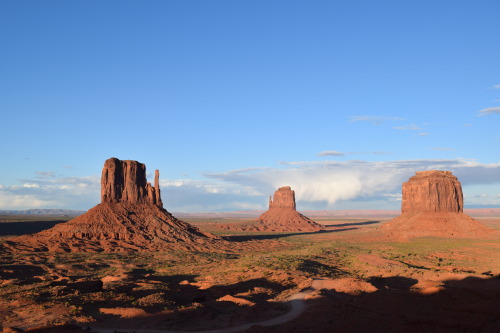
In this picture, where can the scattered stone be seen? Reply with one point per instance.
(349, 286)
(12, 330)
(236, 300)
(124, 312)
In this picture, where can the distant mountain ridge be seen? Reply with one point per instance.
(59, 212)
(256, 213)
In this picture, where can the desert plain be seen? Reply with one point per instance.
(345, 278)
(129, 265)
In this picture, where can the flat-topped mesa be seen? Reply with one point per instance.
(433, 206)
(125, 181)
(284, 197)
(283, 216)
(432, 191)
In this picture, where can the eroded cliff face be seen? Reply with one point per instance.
(432, 205)
(432, 191)
(283, 216)
(284, 197)
(130, 217)
(125, 181)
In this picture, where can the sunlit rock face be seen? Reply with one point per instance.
(432, 191)
(284, 197)
(282, 215)
(125, 181)
(432, 205)
(129, 218)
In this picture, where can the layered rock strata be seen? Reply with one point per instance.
(432, 191)
(130, 217)
(125, 182)
(281, 216)
(432, 205)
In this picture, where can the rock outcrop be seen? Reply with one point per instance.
(130, 217)
(125, 181)
(281, 216)
(284, 198)
(432, 205)
(432, 191)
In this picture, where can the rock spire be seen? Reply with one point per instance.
(130, 218)
(125, 181)
(283, 216)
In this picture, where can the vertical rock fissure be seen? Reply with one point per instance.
(125, 181)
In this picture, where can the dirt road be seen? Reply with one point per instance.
(295, 303)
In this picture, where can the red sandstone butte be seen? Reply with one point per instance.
(130, 217)
(125, 181)
(433, 206)
(282, 215)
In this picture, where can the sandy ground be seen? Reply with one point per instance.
(345, 279)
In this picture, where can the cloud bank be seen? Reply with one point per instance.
(42, 192)
(333, 182)
(318, 185)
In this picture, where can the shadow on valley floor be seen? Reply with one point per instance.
(353, 223)
(244, 238)
(23, 228)
(398, 305)
(468, 305)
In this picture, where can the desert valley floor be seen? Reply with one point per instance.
(343, 279)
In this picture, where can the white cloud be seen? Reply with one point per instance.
(411, 127)
(422, 134)
(16, 201)
(205, 186)
(188, 195)
(318, 185)
(332, 182)
(69, 192)
(496, 86)
(375, 120)
(330, 153)
(28, 185)
(482, 195)
(487, 111)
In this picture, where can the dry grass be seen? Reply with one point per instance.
(41, 288)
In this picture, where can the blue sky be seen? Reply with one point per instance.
(342, 100)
